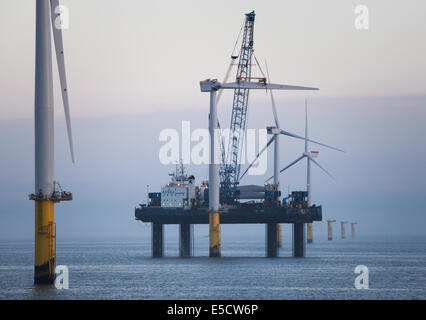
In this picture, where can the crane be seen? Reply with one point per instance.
(230, 162)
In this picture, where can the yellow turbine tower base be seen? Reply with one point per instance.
(343, 229)
(330, 229)
(45, 242)
(279, 235)
(310, 233)
(214, 224)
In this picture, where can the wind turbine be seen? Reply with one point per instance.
(276, 132)
(213, 86)
(309, 158)
(46, 189)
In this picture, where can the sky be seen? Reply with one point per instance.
(134, 68)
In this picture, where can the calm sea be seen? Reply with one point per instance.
(123, 269)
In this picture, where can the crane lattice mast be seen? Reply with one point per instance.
(230, 169)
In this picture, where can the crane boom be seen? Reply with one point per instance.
(230, 166)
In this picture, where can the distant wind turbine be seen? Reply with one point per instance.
(309, 157)
(276, 131)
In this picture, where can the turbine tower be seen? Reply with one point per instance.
(353, 229)
(330, 229)
(343, 229)
(276, 139)
(47, 191)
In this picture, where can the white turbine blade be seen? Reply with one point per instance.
(261, 85)
(306, 126)
(221, 142)
(274, 109)
(219, 94)
(302, 138)
(59, 49)
(285, 168)
(257, 156)
(328, 173)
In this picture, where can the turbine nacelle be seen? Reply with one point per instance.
(273, 130)
(209, 85)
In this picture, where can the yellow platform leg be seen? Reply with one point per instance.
(45, 242)
(310, 233)
(214, 224)
(279, 235)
